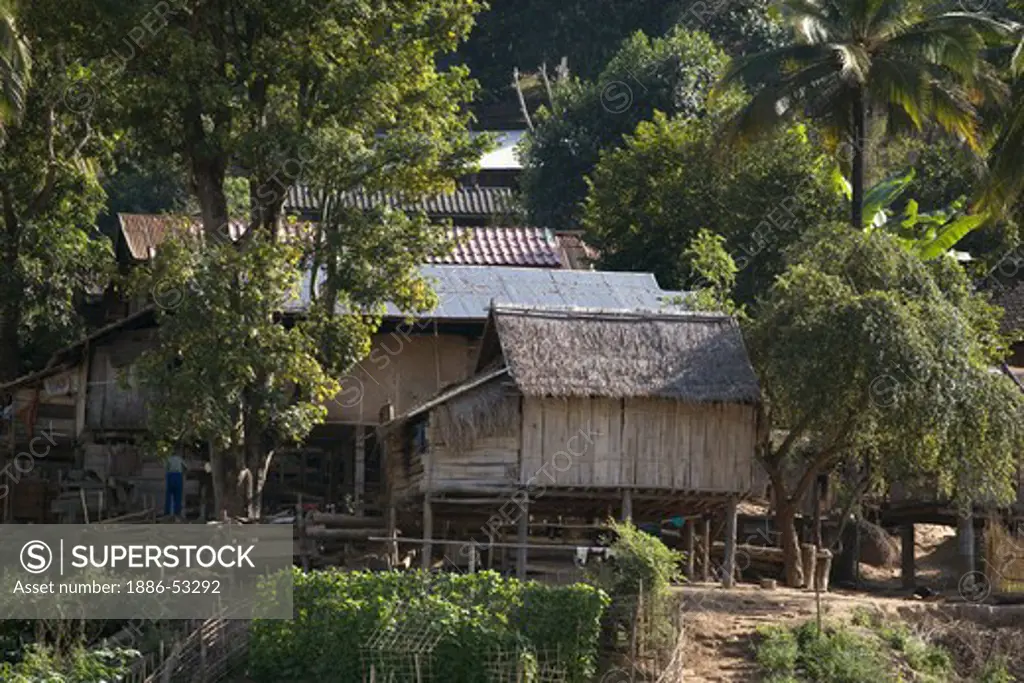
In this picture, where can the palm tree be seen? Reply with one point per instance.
(14, 67)
(857, 61)
(1006, 173)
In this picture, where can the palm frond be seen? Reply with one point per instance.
(15, 65)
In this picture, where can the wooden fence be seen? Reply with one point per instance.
(209, 651)
(1004, 560)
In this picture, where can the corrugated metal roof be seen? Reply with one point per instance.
(466, 292)
(464, 202)
(505, 156)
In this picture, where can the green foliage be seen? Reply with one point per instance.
(42, 665)
(715, 271)
(340, 94)
(903, 63)
(649, 200)
(221, 332)
(474, 618)
(870, 650)
(913, 345)
(673, 74)
(642, 563)
(51, 196)
(927, 235)
(778, 652)
(996, 671)
(529, 33)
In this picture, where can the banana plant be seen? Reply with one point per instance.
(927, 235)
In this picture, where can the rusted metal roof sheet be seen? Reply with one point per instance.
(498, 246)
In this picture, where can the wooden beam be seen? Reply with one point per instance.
(907, 567)
(729, 568)
(428, 532)
(627, 505)
(522, 536)
(392, 533)
(360, 473)
(688, 540)
(965, 541)
(705, 564)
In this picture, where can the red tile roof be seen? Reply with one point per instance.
(498, 246)
(505, 246)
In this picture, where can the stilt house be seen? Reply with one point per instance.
(574, 414)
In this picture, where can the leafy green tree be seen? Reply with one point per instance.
(901, 62)
(673, 74)
(50, 197)
(740, 28)
(866, 352)
(339, 95)
(528, 33)
(228, 371)
(649, 200)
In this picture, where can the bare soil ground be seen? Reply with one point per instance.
(721, 626)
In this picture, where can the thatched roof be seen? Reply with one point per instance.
(689, 356)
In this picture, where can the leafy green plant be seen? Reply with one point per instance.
(42, 665)
(463, 620)
(641, 562)
(778, 652)
(928, 235)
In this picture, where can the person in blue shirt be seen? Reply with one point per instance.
(175, 485)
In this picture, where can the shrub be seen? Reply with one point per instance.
(778, 652)
(640, 560)
(462, 621)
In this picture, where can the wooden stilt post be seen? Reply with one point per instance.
(522, 538)
(392, 534)
(965, 540)
(428, 533)
(907, 567)
(688, 539)
(705, 563)
(729, 566)
(360, 473)
(627, 505)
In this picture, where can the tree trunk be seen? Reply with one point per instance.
(860, 141)
(785, 523)
(208, 181)
(11, 295)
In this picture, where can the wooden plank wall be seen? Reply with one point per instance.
(490, 461)
(403, 369)
(639, 443)
(111, 404)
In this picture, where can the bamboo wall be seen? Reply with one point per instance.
(587, 443)
(403, 369)
(639, 443)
